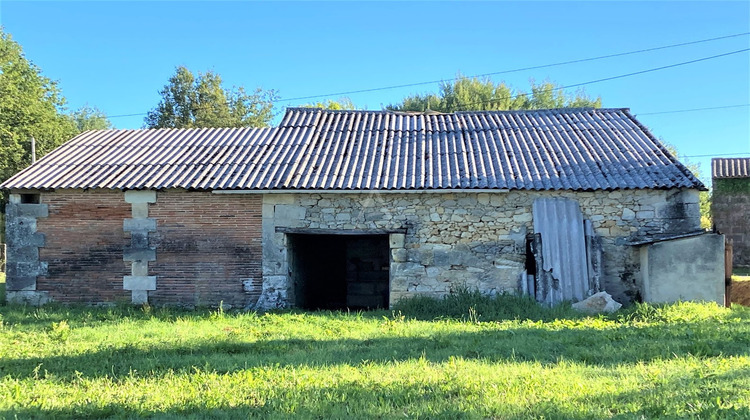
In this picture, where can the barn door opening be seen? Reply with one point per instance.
(339, 271)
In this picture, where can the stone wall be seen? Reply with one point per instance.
(175, 248)
(730, 210)
(473, 240)
(200, 248)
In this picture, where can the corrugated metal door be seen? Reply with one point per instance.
(560, 223)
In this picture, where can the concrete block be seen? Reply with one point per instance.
(33, 298)
(275, 282)
(139, 210)
(139, 282)
(279, 198)
(139, 297)
(37, 239)
(139, 240)
(396, 240)
(288, 212)
(399, 255)
(407, 269)
(23, 253)
(19, 269)
(267, 210)
(684, 269)
(139, 268)
(22, 282)
(140, 196)
(33, 210)
(143, 225)
(135, 254)
(447, 258)
(14, 199)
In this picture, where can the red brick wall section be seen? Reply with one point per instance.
(206, 246)
(84, 243)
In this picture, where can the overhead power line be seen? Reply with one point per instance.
(522, 69)
(635, 73)
(562, 63)
(692, 109)
(714, 155)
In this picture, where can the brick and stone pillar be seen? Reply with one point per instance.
(23, 242)
(139, 253)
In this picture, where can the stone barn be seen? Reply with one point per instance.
(730, 204)
(347, 209)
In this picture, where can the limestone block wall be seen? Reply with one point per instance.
(473, 240)
(24, 266)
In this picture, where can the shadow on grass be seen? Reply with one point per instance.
(598, 347)
(681, 396)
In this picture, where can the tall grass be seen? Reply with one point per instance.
(475, 306)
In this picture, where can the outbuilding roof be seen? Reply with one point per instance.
(316, 149)
(730, 168)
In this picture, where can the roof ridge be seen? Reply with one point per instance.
(432, 112)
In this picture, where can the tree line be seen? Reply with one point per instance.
(32, 105)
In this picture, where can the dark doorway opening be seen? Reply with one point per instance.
(339, 271)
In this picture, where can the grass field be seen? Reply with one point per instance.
(677, 361)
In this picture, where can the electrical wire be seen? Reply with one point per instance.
(714, 155)
(609, 78)
(582, 60)
(516, 70)
(692, 109)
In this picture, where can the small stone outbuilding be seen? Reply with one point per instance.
(730, 204)
(340, 209)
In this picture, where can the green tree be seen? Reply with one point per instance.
(31, 105)
(339, 104)
(474, 94)
(90, 118)
(189, 101)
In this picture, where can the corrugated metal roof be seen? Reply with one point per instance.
(578, 149)
(730, 167)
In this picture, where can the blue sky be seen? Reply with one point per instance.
(118, 55)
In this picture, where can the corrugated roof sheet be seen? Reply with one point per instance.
(730, 167)
(576, 149)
